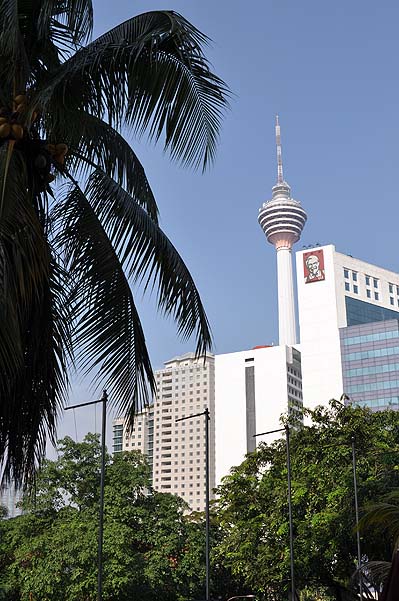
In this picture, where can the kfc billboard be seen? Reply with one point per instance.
(313, 266)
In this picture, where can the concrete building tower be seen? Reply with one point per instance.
(282, 219)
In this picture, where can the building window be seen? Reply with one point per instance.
(376, 296)
(346, 273)
(367, 280)
(354, 276)
(391, 300)
(347, 286)
(355, 289)
(375, 282)
(368, 292)
(391, 288)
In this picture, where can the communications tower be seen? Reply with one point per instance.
(282, 219)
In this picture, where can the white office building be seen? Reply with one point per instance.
(335, 291)
(253, 389)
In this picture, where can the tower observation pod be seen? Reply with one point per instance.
(282, 219)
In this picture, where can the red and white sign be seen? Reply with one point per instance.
(313, 266)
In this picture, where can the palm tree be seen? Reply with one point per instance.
(69, 249)
(383, 517)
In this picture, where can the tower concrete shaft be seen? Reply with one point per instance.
(282, 219)
(286, 300)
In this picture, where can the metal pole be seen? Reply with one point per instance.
(207, 524)
(287, 435)
(101, 514)
(359, 554)
(103, 400)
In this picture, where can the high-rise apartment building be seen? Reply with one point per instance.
(337, 291)
(253, 389)
(140, 439)
(176, 450)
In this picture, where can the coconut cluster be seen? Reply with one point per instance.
(40, 154)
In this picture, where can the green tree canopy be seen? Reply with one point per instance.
(50, 552)
(253, 509)
(68, 253)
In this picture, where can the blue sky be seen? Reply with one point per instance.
(330, 71)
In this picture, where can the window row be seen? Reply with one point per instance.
(350, 274)
(374, 369)
(372, 386)
(370, 282)
(371, 337)
(380, 402)
(381, 352)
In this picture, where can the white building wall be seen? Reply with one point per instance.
(319, 335)
(321, 308)
(271, 401)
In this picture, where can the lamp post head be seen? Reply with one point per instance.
(242, 597)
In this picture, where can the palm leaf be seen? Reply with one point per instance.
(14, 63)
(95, 143)
(34, 328)
(384, 514)
(151, 72)
(374, 575)
(64, 281)
(67, 20)
(108, 333)
(149, 256)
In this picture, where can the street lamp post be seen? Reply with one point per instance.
(205, 413)
(290, 520)
(359, 554)
(103, 400)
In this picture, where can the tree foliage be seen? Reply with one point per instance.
(152, 549)
(253, 508)
(68, 252)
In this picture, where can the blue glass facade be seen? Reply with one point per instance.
(370, 360)
(359, 312)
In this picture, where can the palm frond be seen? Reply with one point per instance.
(94, 143)
(149, 256)
(14, 61)
(68, 20)
(374, 575)
(384, 514)
(64, 278)
(35, 325)
(150, 72)
(38, 391)
(109, 334)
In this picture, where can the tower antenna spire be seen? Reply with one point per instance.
(280, 178)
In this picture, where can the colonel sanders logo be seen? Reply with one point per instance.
(313, 266)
